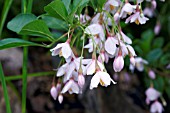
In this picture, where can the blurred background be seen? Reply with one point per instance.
(128, 96)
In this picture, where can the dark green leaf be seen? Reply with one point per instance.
(165, 59)
(57, 9)
(154, 55)
(18, 22)
(15, 42)
(159, 83)
(158, 42)
(36, 28)
(55, 23)
(100, 3)
(67, 4)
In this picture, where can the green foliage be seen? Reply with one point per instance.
(15, 42)
(57, 9)
(37, 28)
(18, 22)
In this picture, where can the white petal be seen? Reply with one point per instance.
(61, 71)
(55, 51)
(132, 51)
(75, 87)
(70, 70)
(91, 68)
(66, 50)
(110, 46)
(93, 29)
(100, 65)
(95, 81)
(105, 77)
(135, 16)
(67, 86)
(126, 38)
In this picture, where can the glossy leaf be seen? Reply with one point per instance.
(55, 23)
(18, 22)
(57, 9)
(15, 42)
(36, 28)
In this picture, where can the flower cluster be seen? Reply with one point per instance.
(106, 40)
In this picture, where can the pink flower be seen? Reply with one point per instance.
(156, 107)
(117, 17)
(151, 74)
(148, 12)
(62, 49)
(118, 63)
(103, 57)
(154, 4)
(53, 92)
(101, 77)
(124, 38)
(139, 63)
(137, 17)
(81, 80)
(60, 98)
(152, 94)
(71, 86)
(111, 4)
(157, 28)
(127, 9)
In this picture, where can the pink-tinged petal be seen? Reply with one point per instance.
(53, 92)
(124, 49)
(67, 86)
(60, 98)
(75, 75)
(132, 60)
(126, 38)
(151, 74)
(55, 51)
(139, 1)
(131, 50)
(128, 19)
(95, 81)
(101, 57)
(110, 46)
(75, 87)
(66, 50)
(81, 80)
(105, 77)
(147, 101)
(93, 29)
(106, 57)
(100, 65)
(118, 64)
(86, 61)
(91, 68)
(128, 8)
(61, 71)
(135, 16)
(156, 107)
(152, 94)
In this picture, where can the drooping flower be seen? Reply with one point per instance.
(151, 74)
(53, 92)
(156, 107)
(60, 98)
(137, 17)
(118, 63)
(110, 45)
(62, 49)
(152, 94)
(71, 86)
(111, 4)
(81, 80)
(127, 9)
(101, 77)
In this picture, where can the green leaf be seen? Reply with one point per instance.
(100, 3)
(165, 59)
(154, 55)
(158, 42)
(145, 43)
(67, 4)
(55, 23)
(15, 42)
(37, 28)
(57, 9)
(18, 22)
(159, 83)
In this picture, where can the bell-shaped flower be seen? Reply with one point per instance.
(101, 77)
(60, 98)
(71, 86)
(151, 74)
(140, 63)
(103, 57)
(125, 38)
(92, 65)
(156, 107)
(111, 4)
(137, 17)
(62, 49)
(118, 63)
(148, 12)
(53, 92)
(110, 45)
(127, 9)
(152, 94)
(81, 80)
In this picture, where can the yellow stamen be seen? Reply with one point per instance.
(137, 22)
(101, 82)
(112, 7)
(60, 53)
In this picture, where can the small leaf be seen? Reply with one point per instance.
(55, 23)
(36, 28)
(18, 22)
(100, 3)
(158, 42)
(67, 4)
(15, 42)
(57, 9)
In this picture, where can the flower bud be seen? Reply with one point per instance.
(60, 98)
(53, 92)
(81, 80)
(156, 107)
(154, 4)
(118, 63)
(157, 28)
(116, 17)
(151, 74)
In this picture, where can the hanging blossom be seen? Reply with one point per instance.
(106, 40)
